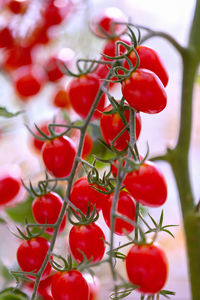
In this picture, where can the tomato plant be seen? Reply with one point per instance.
(69, 285)
(87, 240)
(93, 163)
(147, 268)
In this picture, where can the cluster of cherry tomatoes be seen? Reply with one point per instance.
(143, 91)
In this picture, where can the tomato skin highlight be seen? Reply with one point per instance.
(58, 156)
(31, 254)
(82, 93)
(46, 210)
(82, 195)
(126, 207)
(147, 185)
(149, 59)
(147, 267)
(69, 285)
(144, 92)
(111, 125)
(89, 239)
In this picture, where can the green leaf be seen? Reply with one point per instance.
(2, 221)
(5, 273)
(12, 294)
(6, 114)
(21, 211)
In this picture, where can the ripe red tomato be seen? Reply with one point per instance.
(18, 6)
(9, 188)
(147, 267)
(89, 239)
(94, 286)
(144, 92)
(110, 47)
(31, 254)
(147, 185)
(64, 56)
(126, 207)
(46, 210)
(58, 156)
(82, 195)
(56, 11)
(28, 81)
(37, 144)
(6, 37)
(43, 288)
(111, 125)
(61, 99)
(150, 60)
(82, 93)
(69, 285)
(16, 57)
(87, 146)
(106, 21)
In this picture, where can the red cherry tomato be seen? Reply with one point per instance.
(9, 188)
(43, 288)
(110, 47)
(64, 56)
(6, 37)
(147, 267)
(147, 185)
(46, 210)
(82, 195)
(37, 144)
(82, 93)
(111, 125)
(106, 20)
(31, 254)
(87, 239)
(17, 57)
(87, 146)
(144, 92)
(56, 11)
(126, 207)
(28, 81)
(94, 286)
(69, 285)
(61, 99)
(38, 35)
(58, 156)
(18, 6)
(150, 60)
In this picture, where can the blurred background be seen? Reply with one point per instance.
(159, 131)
